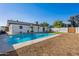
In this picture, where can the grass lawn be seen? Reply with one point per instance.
(58, 33)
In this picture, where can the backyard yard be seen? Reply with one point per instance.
(63, 45)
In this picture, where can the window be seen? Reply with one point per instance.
(20, 27)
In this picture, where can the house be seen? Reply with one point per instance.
(17, 27)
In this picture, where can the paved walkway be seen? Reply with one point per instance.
(4, 47)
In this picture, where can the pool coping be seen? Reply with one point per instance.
(20, 45)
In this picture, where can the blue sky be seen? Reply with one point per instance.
(42, 12)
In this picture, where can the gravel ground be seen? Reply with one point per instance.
(64, 45)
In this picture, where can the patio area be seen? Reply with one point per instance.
(64, 45)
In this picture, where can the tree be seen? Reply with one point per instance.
(58, 24)
(74, 20)
(44, 24)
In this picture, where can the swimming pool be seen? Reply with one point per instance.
(14, 39)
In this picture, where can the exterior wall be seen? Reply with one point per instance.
(77, 29)
(14, 29)
(41, 29)
(64, 29)
(35, 28)
(10, 29)
(46, 28)
(59, 29)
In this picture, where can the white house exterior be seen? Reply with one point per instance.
(16, 27)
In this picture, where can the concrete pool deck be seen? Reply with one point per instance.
(4, 47)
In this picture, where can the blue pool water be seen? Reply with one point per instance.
(13, 39)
